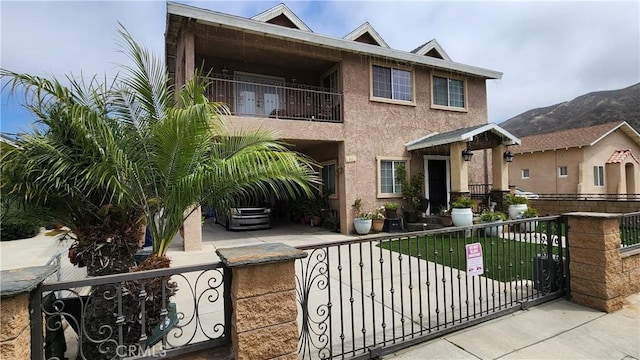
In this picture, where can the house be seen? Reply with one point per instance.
(600, 159)
(355, 105)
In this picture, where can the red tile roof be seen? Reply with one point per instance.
(585, 136)
(619, 156)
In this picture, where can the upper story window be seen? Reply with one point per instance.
(598, 175)
(448, 93)
(391, 83)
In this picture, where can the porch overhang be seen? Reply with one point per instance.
(478, 137)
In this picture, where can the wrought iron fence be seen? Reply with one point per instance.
(615, 197)
(275, 99)
(630, 230)
(369, 297)
(144, 314)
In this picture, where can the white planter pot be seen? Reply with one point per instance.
(462, 217)
(363, 226)
(516, 211)
(529, 226)
(495, 231)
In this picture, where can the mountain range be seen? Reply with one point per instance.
(587, 110)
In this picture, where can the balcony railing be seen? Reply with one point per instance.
(273, 99)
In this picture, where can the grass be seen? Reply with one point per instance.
(504, 260)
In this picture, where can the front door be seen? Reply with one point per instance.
(437, 182)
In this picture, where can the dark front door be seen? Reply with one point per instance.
(437, 185)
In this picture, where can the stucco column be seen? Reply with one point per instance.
(499, 168)
(193, 230)
(596, 265)
(15, 325)
(263, 298)
(459, 169)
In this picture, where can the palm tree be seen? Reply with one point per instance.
(115, 156)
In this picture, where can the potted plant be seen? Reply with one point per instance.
(445, 216)
(517, 205)
(461, 213)
(391, 209)
(488, 217)
(531, 225)
(377, 221)
(411, 192)
(362, 220)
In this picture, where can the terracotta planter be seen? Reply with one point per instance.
(377, 224)
(446, 220)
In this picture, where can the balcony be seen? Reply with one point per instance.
(272, 98)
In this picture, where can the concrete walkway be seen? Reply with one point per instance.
(556, 330)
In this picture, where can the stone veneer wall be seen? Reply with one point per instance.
(15, 336)
(557, 207)
(601, 274)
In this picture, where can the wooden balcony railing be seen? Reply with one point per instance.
(275, 100)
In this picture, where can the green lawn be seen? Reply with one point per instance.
(504, 260)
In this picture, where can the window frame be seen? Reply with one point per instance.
(324, 164)
(464, 80)
(566, 171)
(379, 160)
(527, 171)
(598, 176)
(409, 69)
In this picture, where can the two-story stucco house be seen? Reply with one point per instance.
(355, 105)
(600, 159)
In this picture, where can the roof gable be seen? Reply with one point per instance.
(462, 135)
(365, 33)
(619, 156)
(574, 138)
(433, 49)
(283, 16)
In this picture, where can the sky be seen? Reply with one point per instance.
(548, 51)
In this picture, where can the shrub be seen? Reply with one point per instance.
(512, 199)
(463, 202)
(16, 222)
(391, 206)
(489, 216)
(530, 213)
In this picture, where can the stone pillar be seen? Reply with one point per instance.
(459, 169)
(193, 231)
(595, 266)
(263, 298)
(15, 324)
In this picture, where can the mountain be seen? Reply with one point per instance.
(591, 109)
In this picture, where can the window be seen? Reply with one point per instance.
(329, 179)
(598, 175)
(562, 171)
(525, 173)
(448, 92)
(388, 182)
(390, 83)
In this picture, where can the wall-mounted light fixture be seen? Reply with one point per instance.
(225, 71)
(467, 154)
(508, 156)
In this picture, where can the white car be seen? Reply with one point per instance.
(525, 194)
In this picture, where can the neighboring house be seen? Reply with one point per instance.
(601, 159)
(356, 106)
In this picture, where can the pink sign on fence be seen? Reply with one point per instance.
(474, 259)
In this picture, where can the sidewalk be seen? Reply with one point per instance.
(556, 330)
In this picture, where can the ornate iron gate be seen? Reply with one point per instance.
(370, 297)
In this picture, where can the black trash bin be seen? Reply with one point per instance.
(556, 275)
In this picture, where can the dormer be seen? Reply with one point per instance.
(283, 16)
(432, 49)
(365, 33)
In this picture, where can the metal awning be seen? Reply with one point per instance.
(479, 137)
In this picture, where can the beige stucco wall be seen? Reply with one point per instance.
(370, 130)
(543, 167)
